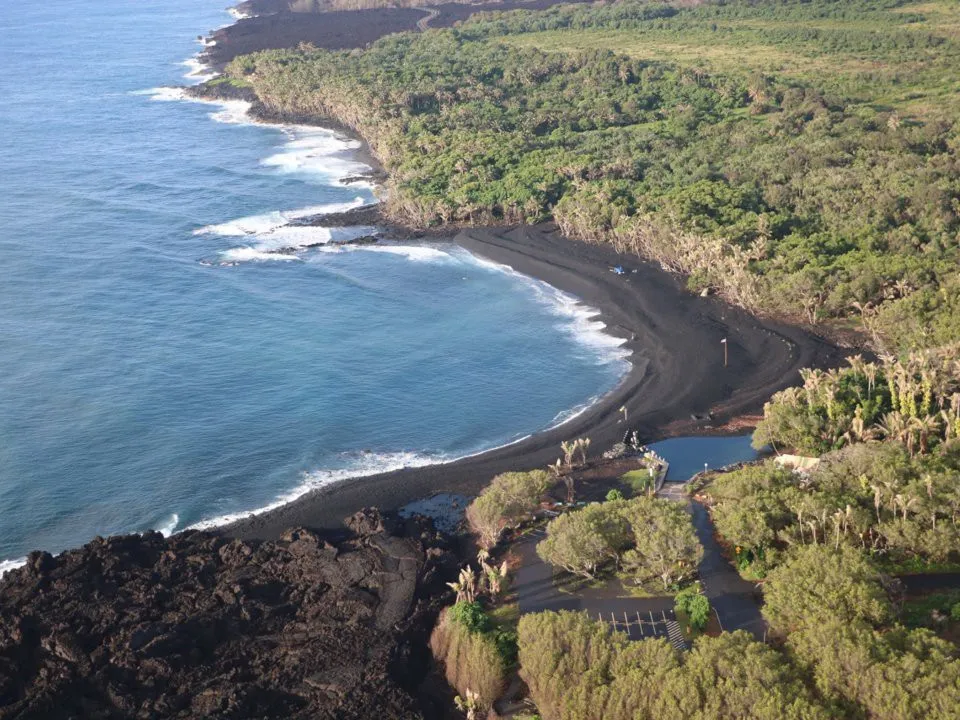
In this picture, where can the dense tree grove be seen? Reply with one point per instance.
(505, 503)
(872, 497)
(577, 669)
(819, 584)
(914, 401)
(896, 674)
(651, 538)
(816, 194)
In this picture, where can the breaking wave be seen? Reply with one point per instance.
(8, 565)
(356, 465)
(169, 526)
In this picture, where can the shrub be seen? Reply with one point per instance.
(471, 660)
(695, 604)
(583, 540)
(471, 616)
(819, 584)
(505, 503)
(506, 642)
(955, 612)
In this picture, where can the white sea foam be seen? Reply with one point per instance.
(578, 319)
(565, 416)
(231, 112)
(239, 14)
(360, 465)
(169, 526)
(317, 151)
(247, 254)
(269, 222)
(8, 565)
(415, 253)
(271, 233)
(163, 94)
(197, 71)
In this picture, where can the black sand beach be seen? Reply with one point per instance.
(677, 371)
(677, 362)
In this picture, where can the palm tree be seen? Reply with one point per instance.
(469, 705)
(892, 488)
(871, 370)
(859, 432)
(877, 500)
(894, 426)
(466, 585)
(838, 523)
(925, 427)
(948, 426)
(582, 445)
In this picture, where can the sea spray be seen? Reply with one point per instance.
(8, 565)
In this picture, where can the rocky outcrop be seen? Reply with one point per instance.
(198, 625)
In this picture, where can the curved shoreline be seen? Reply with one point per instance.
(676, 371)
(370, 214)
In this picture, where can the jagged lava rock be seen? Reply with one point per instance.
(198, 625)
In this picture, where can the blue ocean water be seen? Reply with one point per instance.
(159, 366)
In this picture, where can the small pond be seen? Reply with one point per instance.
(687, 455)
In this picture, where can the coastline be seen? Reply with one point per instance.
(673, 375)
(663, 324)
(673, 379)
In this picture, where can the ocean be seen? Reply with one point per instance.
(162, 366)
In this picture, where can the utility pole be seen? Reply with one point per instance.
(724, 341)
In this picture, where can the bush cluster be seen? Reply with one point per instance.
(648, 537)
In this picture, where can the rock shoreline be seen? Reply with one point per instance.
(195, 625)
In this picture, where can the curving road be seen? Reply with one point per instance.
(423, 22)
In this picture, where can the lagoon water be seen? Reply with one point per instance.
(160, 367)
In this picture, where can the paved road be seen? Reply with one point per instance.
(424, 22)
(735, 600)
(537, 590)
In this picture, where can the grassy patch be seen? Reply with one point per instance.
(690, 632)
(840, 55)
(649, 589)
(228, 81)
(637, 482)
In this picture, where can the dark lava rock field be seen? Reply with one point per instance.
(200, 626)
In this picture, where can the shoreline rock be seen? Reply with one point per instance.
(197, 625)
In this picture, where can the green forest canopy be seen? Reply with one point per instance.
(797, 156)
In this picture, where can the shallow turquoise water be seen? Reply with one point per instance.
(157, 368)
